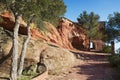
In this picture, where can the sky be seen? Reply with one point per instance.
(101, 7)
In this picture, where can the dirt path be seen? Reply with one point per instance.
(89, 66)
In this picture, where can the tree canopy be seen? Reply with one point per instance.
(111, 34)
(113, 27)
(112, 30)
(114, 20)
(90, 22)
(44, 10)
(55, 8)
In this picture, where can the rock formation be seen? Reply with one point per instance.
(47, 47)
(72, 34)
(56, 59)
(68, 34)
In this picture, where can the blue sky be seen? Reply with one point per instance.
(101, 7)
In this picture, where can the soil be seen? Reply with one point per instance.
(89, 66)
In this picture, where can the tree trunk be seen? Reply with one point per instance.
(24, 48)
(89, 44)
(112, 47)
(14, 59)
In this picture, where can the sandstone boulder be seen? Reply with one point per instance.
(34, 48)
(57, 60)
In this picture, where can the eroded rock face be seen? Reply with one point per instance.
(64, 35)
(67, 35)
(57, 60)
(72, 35)
(34, 49)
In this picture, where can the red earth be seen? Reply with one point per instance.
(89, 66)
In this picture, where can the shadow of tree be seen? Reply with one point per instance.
(6, 57)
(96, 66)
(99, 71)
(94, 57)
(4, 78)
(5, 66)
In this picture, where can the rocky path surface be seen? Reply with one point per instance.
(89, 66)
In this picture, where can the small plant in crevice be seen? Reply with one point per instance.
(32, 71)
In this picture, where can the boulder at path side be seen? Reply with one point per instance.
(57, 60)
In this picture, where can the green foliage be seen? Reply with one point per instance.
(25, 8)
(1, 19)
(115, 60)
(107, 49)
(90, 23)
(27, 74)
(51, 10)
(114, 19)
(2, 6)
(111, 33)
(113, 27)
(44, 10)
(24, 77)
(30, 71)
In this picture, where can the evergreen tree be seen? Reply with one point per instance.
(113, 29)
(90, 23)
(51, 10)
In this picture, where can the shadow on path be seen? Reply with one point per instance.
(96, 71)
(94, 66)
(91, 56)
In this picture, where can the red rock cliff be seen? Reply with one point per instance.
(68, 34)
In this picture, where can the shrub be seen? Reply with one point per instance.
(115, 60)
(22, 77)
(30, 70)
(107, 49)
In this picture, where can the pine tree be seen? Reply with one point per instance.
(113, 29)
(47, 10)
(90, 23)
